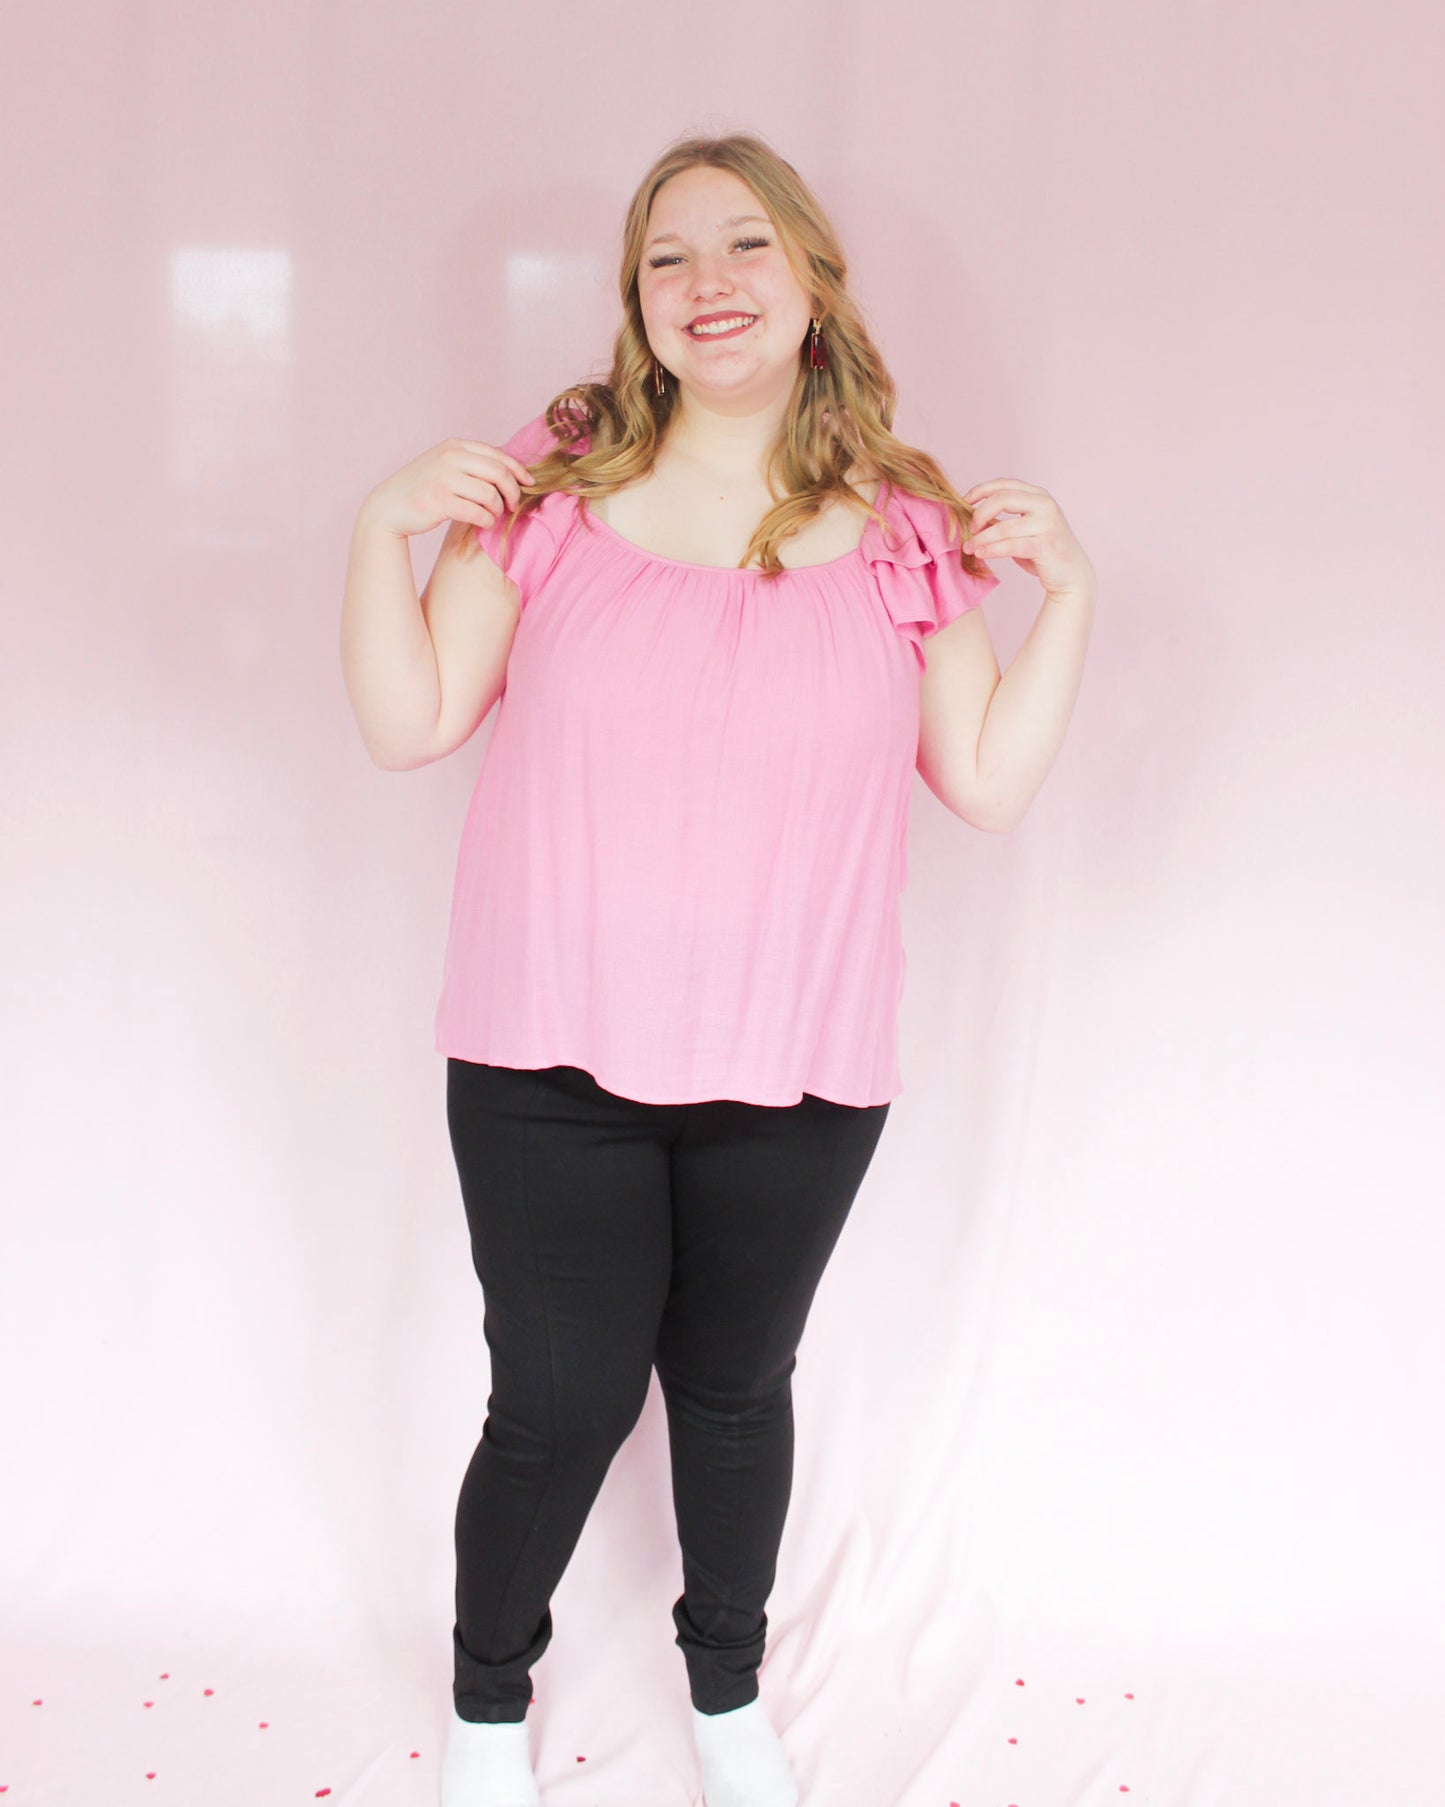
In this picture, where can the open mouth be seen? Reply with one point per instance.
(721, 330)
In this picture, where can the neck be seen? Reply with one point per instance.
(729, 441)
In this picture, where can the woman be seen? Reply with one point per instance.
(712, 594)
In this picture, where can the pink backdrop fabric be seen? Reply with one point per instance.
(1151, 1249)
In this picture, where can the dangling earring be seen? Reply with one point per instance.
(659, 385)
(816, 359)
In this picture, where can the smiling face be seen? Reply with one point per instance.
(711, 251)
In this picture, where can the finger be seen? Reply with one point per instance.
(995, 484)
(503, 481)
(1005, 548)
(1003, 497)
(476, 448)
(483, 493)
(1018, 508)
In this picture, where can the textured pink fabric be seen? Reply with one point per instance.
(682, 863)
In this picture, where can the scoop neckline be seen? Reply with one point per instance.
(682, 564)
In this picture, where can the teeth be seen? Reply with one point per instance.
(722, 326)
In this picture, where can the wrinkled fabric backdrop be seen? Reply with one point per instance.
(1151, 1250)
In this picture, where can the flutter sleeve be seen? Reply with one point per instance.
(918, 564)
(535, 540)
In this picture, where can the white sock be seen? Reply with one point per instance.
(743, 1764)
(488, 1765)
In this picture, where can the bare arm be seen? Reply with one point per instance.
(985, 742)
(422, 672)
(387, 657)
(960, 676)
(471, 610)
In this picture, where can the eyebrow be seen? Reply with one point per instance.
(738, 219)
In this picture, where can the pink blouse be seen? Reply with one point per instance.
(683, 859)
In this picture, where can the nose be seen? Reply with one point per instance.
(710, 280)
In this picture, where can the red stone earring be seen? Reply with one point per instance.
(816, 359)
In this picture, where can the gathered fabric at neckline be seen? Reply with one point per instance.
(859, 552)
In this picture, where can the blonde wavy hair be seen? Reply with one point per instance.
(837, 418)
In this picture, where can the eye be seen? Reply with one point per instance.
(656, 263)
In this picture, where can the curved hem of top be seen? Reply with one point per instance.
(452, 1053)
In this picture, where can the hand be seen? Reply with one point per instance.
(1035, 535)
(458, 480)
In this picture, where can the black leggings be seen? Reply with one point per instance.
(612, 1237)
